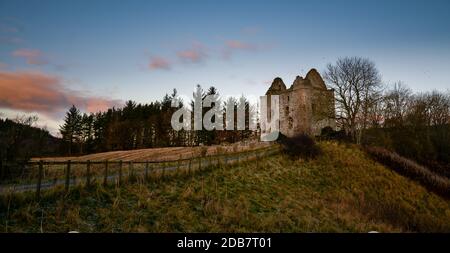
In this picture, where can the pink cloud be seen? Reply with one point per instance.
(32, 56)
(159, 63)
(234, 45)
(195, 54)
(43, 93)
(97, 104)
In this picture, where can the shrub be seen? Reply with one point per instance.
(328, 133)
(300, 146)
(203, 151)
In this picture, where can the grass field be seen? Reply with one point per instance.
(341, 191)
(161, 154)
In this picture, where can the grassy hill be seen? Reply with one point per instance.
(341, 191)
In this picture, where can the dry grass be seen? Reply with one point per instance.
(342, 190)
(160, 154)
(411, 169)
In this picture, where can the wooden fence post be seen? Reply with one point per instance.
(88, 173)
(130, 169)
(120, 172)
(67, 176)
(38, 186)
(105, 179)
(189, 166)
(1, 168)
(163, 169)
(146, 171)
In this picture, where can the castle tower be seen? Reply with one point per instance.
(306, 107)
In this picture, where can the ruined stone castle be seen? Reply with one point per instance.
(306, 107)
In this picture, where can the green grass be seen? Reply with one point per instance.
(343, 190)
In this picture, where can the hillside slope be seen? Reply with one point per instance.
(342, 191)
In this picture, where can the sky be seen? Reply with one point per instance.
(97, 54)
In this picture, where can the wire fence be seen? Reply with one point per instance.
(44, 175)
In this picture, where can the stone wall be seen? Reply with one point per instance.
(305, 107)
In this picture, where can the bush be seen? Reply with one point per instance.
(203, 151)
(328, 133)
(300, 146)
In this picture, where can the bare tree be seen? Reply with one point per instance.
(396, 103)
(357, 84)
(439, 108)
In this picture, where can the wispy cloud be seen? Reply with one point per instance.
(197, 53)
(32, 56)
(42, 93)
(7, 28)
(157, 62)
(10, 40)
(232, 46)
(10, 32)
(236, 44)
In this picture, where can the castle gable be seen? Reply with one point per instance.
(277, 87)
(315, 79)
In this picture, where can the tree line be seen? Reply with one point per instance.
(138, 125)
(416, 125)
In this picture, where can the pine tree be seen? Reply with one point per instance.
(71, 129)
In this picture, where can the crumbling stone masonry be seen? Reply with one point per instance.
(306, 107)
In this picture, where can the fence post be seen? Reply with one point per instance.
(1, 168)
(68, 176)
(163, 165)
(105, 179)
(38, 187)
(88, 173)
(189, 167)
(146, 171)
(120, 172)
(130, 169)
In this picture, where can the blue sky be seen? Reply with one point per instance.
(99, 53)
